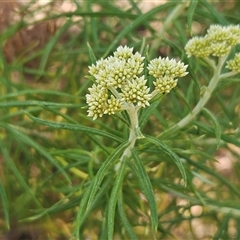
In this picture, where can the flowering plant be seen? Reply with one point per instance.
(157, 157)
(121, 83)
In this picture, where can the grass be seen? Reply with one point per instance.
(57, 176)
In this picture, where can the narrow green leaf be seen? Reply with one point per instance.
(124, 219)
(146, 113)
(18, 174)
(191, 11)
(90, 194)
(171, 154)
(10, 104)
(104, 170)
(75, 127)
(82, 210)
(51, 44)
(224, 83)
(213, 12)
(216, 124)
(117, 187)
(227, 138)
(147, 189)
(36, 91)
(222, 228)
(4, 204)
(211, 172)
(203, 178)
(91, 54)
(24, 138)
(135, 23)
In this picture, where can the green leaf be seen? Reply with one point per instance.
(75, 127)
(216, 125)
(227, 138)
(124, 219)
(147, 189)
(171, 154)
(11, 104)
(224, 83)
(211, 172)
(5, 206)
(51, 44)
(222, 228)
(91, 54)
(117, 187)
(104, 170)
(36, 91)
(18, 175)
(93, 188)
(146, 113)
(213, 12)
(24, 138)
(191, 11)
(142, 18)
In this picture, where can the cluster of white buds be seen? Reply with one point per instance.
(120, 85)
(217, 42)
(234, 64)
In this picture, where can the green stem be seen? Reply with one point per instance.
(228, 74)
(201, 103)
(134, 133)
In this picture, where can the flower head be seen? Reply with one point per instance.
(165, 84)
(123, 52)
(217, 42)
(136, 92)
(96, 101)
(119, 83)
(165, 71)
(234, 64)
(160, 67)
(198, 46)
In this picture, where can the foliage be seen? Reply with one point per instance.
(60, 168)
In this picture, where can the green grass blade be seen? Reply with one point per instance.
(142, 18)
(216, 125)
(191, 11)
(227, 138)
(50, 45)
(147, 189)
(224, 83)
(223, 228)
(104, 170)
(117, 188)
(75, 127)
(10, 104)
(4, 204)
(17, 174)
(208, 170)
(91, 54)
(146, 113)
(36, 91)
(171, 154)
(27, 140)
(90, 195)
(124, 219)
(213, 12)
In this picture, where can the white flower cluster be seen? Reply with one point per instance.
(217, 42)
(119, 83)
(234, 64)
(165, 71)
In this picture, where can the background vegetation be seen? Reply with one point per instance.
(50, 150)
